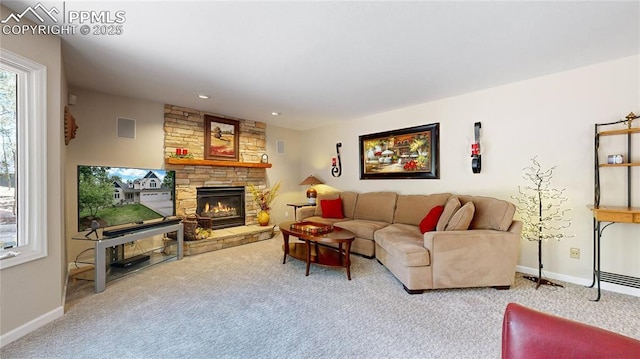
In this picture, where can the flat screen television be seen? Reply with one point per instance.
(120, 196)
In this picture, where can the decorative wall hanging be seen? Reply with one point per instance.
(411, 153)
(476, 163)
(221, 137)
(336, 168)
(70, 127)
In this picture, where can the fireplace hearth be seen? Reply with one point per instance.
(224, 205)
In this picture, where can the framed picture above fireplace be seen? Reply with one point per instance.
(221, 137)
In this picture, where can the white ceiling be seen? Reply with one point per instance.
(320, 62)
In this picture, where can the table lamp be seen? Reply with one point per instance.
(312, 194)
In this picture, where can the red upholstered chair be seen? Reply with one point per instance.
(528, 333)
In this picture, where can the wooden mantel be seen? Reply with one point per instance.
(197, 162)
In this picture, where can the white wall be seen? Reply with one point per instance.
(551, 117)
(32, 293)
(96, 144)
(286, 168)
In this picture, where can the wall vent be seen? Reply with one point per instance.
(126, 128)
(620, 279)
(280, 147)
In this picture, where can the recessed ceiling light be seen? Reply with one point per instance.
(204, 96)
(275, 113)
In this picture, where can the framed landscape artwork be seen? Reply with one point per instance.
(220, 139)
(408, 153)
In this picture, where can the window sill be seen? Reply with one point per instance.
(26, 255)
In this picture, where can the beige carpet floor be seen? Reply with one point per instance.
(243, 302)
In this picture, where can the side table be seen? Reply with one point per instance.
(298, 205)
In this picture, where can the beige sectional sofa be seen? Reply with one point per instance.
(475, 244)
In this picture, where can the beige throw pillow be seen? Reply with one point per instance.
(461, 220)
(450, 208)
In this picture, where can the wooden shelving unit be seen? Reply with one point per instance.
(620, 132)
(630, 164)
(198, 162)
(616, 214)
(612, 214)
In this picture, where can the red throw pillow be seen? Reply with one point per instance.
(430, 221)
(331, 208)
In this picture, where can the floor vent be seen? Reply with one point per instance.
(620, 279)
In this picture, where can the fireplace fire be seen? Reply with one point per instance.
(219, 210)
(224, 205)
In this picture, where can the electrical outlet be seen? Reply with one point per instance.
(286, 214)
(574, 253)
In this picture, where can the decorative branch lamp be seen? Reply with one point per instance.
(542, 212)
(312, 194)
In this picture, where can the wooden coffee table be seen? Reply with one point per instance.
(318, 254)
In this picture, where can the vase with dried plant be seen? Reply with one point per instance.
(263, 198)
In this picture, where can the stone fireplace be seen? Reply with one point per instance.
(184, 128)
(223, 205)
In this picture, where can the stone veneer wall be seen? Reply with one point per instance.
(184, 128)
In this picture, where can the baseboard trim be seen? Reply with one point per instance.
(581, 281)
(30, 326)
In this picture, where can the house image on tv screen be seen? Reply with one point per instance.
(147, 191)
(114, 196)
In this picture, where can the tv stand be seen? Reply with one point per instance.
(138, 226)
(102, 243)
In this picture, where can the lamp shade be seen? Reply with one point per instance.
(311, 180)
(312, 194)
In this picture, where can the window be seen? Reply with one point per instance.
(8, 141)
(23, 165)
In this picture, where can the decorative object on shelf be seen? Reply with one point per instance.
(221, 138)
(615, 159)
(400, 154)
(312, 194)
(94, 229)
(70, 127)
(181, 153)
(264, 158)
(336, 169)
(542, 212)
(630, 117)
(263, 198)
(476, 163)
